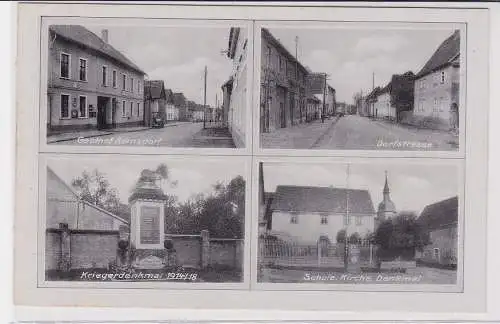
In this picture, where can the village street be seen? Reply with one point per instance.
(353, 132)
(180, 134)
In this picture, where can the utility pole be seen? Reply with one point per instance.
(324, 101)
(205, 99)
(297, 76)
(346, 252)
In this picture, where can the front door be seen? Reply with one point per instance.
(102, 103)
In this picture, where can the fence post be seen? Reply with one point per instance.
(65, 262)
(205, 249)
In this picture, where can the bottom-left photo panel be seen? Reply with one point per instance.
(143, 221)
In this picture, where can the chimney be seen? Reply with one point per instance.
(104, 35)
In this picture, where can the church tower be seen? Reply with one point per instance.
(386, 208)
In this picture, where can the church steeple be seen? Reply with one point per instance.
(386, 208)
(386, 186)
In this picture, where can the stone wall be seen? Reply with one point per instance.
(69, 249)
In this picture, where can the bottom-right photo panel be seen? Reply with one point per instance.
(323, 224)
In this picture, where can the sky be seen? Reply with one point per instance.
(351, 56)
(176, 55)
(192, 176)
(412, 186)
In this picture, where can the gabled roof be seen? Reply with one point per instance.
(322, 199)
(91, 205)
(154, 89)
(440, 214)
(82, 36)
(444, 55)
(267, 35)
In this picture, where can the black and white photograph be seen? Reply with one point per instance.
(173, 86)
(358, 223)
(143, 220)
(359, 88)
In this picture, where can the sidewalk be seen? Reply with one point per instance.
(70, 136)
(302, 136)
(213, 137)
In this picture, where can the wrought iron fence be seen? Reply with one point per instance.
(280, 253)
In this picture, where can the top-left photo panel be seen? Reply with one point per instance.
(135, 83)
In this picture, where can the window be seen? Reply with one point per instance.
(132, 84)
(65, 63)
(346, 219)
(281, 62)
(131, 108)
(359, 220)
(294, 219)
(64, 106)
(436, 105)
(124, 113)
(436, 253)
(139, 89)
(442, 76)
(138, 109)
(83, 107)
(124, 82)
(104, 76)
(422, 84)
(83, 69)
(114, 78)
(150, 225)
(324, 219)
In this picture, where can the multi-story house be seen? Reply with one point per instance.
(155, 100)
(440, 221)
(382, 107)
(283, 86)
(90, 83)
(172, 112)
(181, 105)
(397, 96)
(236, 88)
(437, 85)
(308, 213)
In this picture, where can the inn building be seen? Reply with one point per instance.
(91, 85)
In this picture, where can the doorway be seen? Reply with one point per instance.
(102, 104)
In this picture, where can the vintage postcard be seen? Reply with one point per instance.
(362, 87)
(360, 223)
(119, 219)
(178, 85)
(251, 157)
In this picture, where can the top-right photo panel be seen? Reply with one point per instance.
(361, 88)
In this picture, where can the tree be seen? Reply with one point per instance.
(400, 237)
(94, 188)
(161, 174)
(355, 238)
(341, 236)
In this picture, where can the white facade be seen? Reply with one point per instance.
(238, 99)
(198, 115)
(434, 93)
(171, 112)
(307, 228)
(383, 108)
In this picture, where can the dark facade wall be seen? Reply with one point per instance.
(227, 253)
(93, 250)
(53, 250)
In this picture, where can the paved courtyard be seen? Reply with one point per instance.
(354, 132)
